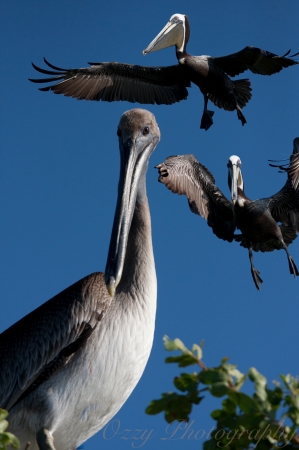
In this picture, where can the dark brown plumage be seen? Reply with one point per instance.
(116, 81)
(59, 331)
(111, 81)
(184, 175)
(266, 224)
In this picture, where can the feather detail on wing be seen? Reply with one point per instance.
(111, 81)
(242, 92)
(44, 341)
(284, 205)
(288, 233)
(184, 175)
(255, 59)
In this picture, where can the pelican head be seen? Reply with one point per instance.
(138, 135)
(176, 32)
(235, 178)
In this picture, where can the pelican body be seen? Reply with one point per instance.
(69, 366)
(111, 81)
(211, 74)
(258, 220)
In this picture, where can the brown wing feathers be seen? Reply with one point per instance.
(62, 326)
(184, 175)
(116, 81)
(254, 59)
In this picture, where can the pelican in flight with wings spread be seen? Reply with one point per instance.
(266, 224)
(112, 81)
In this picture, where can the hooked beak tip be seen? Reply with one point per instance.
(234, 201)
(111, 286)
(144, 52)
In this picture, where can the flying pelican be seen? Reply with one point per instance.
(257, 220)
(210, 74)
(69, 366)
(111, 81)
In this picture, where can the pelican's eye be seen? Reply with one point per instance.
(145, 131)
(118, 132)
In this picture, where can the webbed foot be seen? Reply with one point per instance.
(254, 272)
(256, 277)
(293, 267)
(206, 120)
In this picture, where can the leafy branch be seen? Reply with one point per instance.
(244, 421)
(6, 438)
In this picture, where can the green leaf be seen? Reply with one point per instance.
(8, 439)
(216, 414)
(176, 344)
(186, 382)
(157, 406)
(219, 389)
(197, 350)
(247, 404)
(210, 444)
(211, 376)
(260, 383)
(179, 409)
(239, 376)
(223, 361)
(3, 425)
(275, 397)
(286, 379)
(195, 399)
(227, 366)
(183, 360)
(250, 421)
(5, 437)
(3, 414)
(229, 406)
(176, 407)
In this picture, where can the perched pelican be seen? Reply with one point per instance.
(257, 219)
(68, 367)
(111, 81)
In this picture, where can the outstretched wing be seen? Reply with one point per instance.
(255, 59)
(111, 81)
(45, 340)
(184, 175)
(284, 205)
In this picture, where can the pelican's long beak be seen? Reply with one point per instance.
(172, 34)
(135, 152)
(235, 178)
(234, 182)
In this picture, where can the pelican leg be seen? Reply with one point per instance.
(206, 120)
(239, 111)
(254, 272)
(45, 440)
(292, 266)
(240, 114)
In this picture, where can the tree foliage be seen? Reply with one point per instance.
(243, 421)
(6, 438)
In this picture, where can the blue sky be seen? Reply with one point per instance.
(59, 173)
